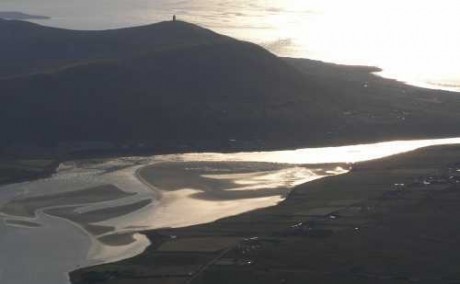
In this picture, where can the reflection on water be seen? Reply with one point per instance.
(208, 191)
(288, 178)
(341, 154)
(413, 41)
(99, 206)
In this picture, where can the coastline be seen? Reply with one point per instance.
(283, 223)
(156, 191)
(75, 201)
(214, 188)
(204, 205)
(230, 220)
(376, 118)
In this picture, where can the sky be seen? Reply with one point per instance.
(412, 40)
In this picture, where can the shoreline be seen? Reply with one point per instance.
(358, 124)
(215, 187)
(156, 191)
(217, 229)
(213, 217)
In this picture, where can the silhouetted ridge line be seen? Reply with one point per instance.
(174, 84)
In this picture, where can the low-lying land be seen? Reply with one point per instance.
(387, 221)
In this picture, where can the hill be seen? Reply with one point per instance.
(28, 47)
(184, 82)
(173, 85)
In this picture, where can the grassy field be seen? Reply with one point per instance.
(387, 221)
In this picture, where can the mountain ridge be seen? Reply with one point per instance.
(201, 89)
(204, 89)
(29, 47)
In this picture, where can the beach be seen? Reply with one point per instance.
(109, 204)
(169, 153)
(382, 222)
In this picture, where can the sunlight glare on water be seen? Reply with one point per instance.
(215, 185)
(341, 154)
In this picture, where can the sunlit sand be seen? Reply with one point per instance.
(100, 206)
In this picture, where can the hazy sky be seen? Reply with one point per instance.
(415, 40)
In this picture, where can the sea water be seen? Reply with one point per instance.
(51, 244)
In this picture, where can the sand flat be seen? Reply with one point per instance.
(26, 207)
(99, 215)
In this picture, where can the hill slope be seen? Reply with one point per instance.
(183, 83)
(174, 83)
(28, 47)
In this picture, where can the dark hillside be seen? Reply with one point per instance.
(194, 90)
(174, 84)
(28, 47)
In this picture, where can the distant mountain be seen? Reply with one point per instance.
(173, 83)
